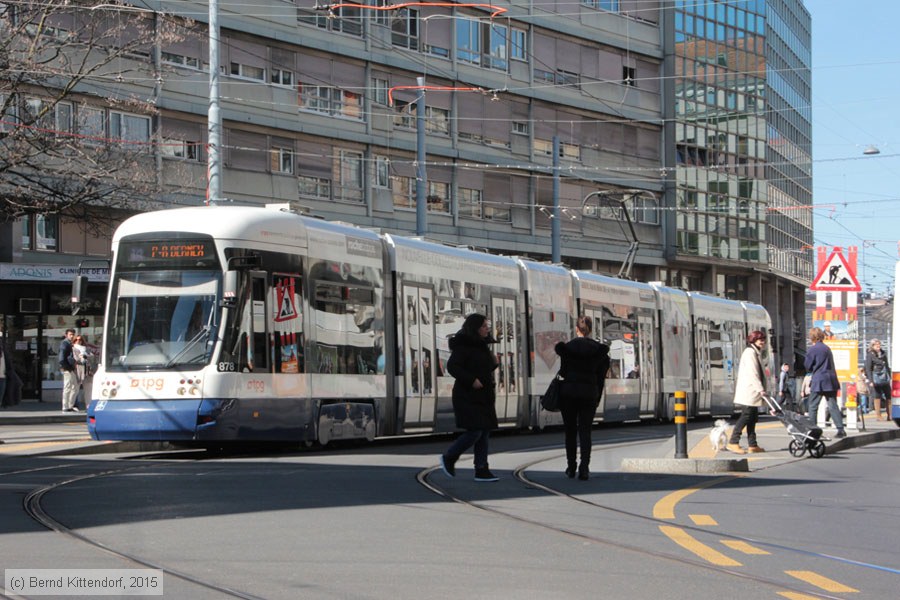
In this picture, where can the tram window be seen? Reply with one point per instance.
(344, 321)
(286, 322)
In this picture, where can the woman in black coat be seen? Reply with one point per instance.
(472, 364)
(585, 362)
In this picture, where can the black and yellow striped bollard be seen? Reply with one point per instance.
(680, 425)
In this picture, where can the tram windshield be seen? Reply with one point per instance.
(162, 320)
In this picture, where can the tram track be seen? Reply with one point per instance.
(519, 473)
(33, 507)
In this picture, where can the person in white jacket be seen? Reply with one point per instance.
(748, 394)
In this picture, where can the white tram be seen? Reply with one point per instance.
(230, 323)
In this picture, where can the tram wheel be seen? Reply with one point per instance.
(796, 448)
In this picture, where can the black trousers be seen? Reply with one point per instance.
(749, 417)
(578, 417)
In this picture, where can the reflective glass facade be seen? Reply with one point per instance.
(743, 169)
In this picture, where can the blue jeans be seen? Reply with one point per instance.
(836, 417)
(478, 438)
(863, 402)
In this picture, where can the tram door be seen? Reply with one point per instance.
(503, 325)
(649, 363)
(703, 368)
(419, 355)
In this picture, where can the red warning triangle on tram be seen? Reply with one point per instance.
(835, 275)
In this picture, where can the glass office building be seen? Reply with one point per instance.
(742, 162)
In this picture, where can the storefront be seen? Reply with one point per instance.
(35, 311)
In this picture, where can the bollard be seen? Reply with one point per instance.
(850, 421)
(680, 425)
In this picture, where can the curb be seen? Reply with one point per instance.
(858, 441)
(680, 466)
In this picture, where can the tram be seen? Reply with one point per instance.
(260, 324)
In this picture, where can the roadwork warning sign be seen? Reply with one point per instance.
(835, 275)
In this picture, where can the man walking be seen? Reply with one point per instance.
(70, 377)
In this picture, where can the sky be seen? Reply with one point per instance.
(856, 104)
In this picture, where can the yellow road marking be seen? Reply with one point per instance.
(797, 596)
(688, 542)
(744, 547)
(665, 508)
(703, 520)
(829, 585)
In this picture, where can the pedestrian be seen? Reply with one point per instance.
(805, 393)
(878, 370)
(10, 384)
(84, 368)
(824, 382)
(750, 388)
(786, 392)
(472, 365)
(70, 376)
(585, 362)
(862, 391)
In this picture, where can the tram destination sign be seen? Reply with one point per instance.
(163, 254)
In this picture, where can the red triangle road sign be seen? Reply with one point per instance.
(835, 275)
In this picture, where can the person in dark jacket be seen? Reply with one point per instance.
(878, 370)
(585, 362)
(472, 365)
(10, 384)
(824, 381)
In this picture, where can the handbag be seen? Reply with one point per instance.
(880, 377)
(550, 399)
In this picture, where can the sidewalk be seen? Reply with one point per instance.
(32, 412)
(771, 434)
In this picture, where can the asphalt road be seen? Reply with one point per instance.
(380, 521)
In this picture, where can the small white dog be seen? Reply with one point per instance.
(718, 437)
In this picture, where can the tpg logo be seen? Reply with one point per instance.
(148, 383)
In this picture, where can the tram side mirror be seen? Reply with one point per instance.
(229, 288)
(79, 289)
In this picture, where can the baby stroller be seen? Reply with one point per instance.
(806, 437)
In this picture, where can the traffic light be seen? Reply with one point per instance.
(82, 323)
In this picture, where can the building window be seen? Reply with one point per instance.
(131, 130)
(173, 148)
(543, 147)
(65, 117)
(628, 76)
(40, 232)
(282, 77)
(281, 160)
(521, 128)
(437, 120)
(248, 72)
(314, 187)
(518, 44)
(350, 168)
(330, 101)
(470, 203)
(438, 197)
(380, 89)
(171, 58)
(345, 19)
(568, 151)
(405, 28)
(382, 172)
(497, 47)
(468, 41)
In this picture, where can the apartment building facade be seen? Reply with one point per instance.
(318, 104)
